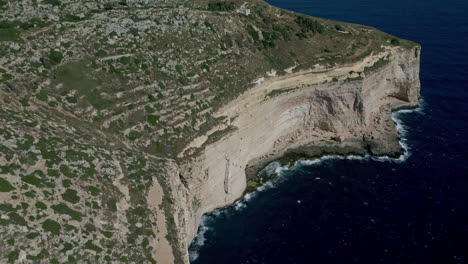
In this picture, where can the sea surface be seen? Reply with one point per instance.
(412, 210)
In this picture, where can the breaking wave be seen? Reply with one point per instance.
(200, 239)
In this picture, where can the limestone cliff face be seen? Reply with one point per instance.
(350, 103)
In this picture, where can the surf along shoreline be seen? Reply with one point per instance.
(267, 176)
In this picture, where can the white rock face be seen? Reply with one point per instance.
(302, 110)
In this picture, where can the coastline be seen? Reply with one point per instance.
(355, 114)
(277, 170)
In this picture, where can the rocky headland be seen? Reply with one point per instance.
(123, 122)
(339, 108)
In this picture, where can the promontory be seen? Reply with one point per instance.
(123, 121)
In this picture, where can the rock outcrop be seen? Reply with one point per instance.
(350, 104)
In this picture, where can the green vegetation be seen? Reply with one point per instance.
(42, 96)
(134, 135)
(310, 25)
(221, 6)
(8, 31)
(37, 257)
(16, 219)
(395, 42)
(7, 207)
(53, 173)
(9, 34)
(377, 65)
(71, 196)
(339, 27)
(153, 119)
(78, 76)
(32, 235)
(52, 2)
(179, 68)
(101, 53)
(89, 245)
(107, 234)
(55, 57)
(3, 4)
(315, 152)
(41, 205)
(5, 186)
(93, 190)
(33, 181)
(280, 91)
(253, 33)
(62, 208)
(258, 181)
(13, 256)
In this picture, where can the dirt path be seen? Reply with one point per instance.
(163, 251)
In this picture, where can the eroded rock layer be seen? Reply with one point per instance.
(343, 105)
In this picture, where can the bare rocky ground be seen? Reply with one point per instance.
(105, 107)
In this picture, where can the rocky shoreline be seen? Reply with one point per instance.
(335, 118)
(316, 151)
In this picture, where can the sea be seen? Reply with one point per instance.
(409, 210)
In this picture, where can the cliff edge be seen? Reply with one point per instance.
(344, 106)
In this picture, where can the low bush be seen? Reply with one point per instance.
(221, 6)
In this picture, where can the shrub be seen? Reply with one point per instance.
(55, 57)
(153, 119)
(71, 196)
(149, 109)
(94, 190)
(253, 33)
(395, 42)
(62, 208)
(5, 186)
(33, 181)
(311, 25)
(42, 96)
(71, 99)
(52, 2)
(8, 32)
(221, 6)
(13, 256)
(179, 68)
(52, 227)
(16, 219)
(53, 104)
(133, 135)
(101, 53)
(53, 173)
(37, 257)
(125, 60)
(89, 245)
(41, 205)
(7, 207)
(32, 235)
(24, 102)
(107, 234)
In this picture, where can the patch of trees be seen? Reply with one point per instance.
(221, 6)
(310, 25)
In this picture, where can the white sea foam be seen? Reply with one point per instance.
(200, 239)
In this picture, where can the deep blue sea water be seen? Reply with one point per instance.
(367, 211)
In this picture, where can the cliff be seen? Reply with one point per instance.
(341, 106)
